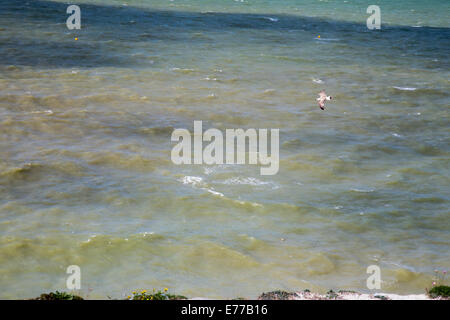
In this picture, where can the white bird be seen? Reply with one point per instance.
(322, 98)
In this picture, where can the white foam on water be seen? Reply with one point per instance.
(45, 111)
(197, 182)
(192, 180)
(214, 192)
(250, 181)
(183, 69)
(208, 170)
(362, 190)
(254, 204)
(405, 88)
(271, 19)
(327, 39)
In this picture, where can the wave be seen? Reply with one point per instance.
(405, 88)
(183, 70)
(49, 112)
(362, 190)
(197, 182)
(26, 168)
(192, 180)
(327, 39)
(162, 130)
(420, 92)
(250, 181)
(271, 19)
(36, 171)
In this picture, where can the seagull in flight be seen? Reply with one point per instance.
(322, 98)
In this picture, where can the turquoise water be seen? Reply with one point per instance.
(86, 176)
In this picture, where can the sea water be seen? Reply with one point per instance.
(86, 176)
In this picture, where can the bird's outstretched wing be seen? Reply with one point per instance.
(321, 99)
(322, 94)
(322, 104)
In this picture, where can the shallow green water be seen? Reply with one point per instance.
(85, 170)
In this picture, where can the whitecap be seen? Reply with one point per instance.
(208, 170)
(271, 19)
(214, 192)
(197, 182)
(327, 39)
(249, 181)
(45, 111)
(362, 190)
(182, 69)
(317, 81)
(405, 88)
(192, 180)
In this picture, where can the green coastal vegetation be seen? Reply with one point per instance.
(440, 291)
(437, 292)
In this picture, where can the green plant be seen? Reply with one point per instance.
(346, 291)
(332, 295)
(155, 295)
(58, 296)
(439, 288)
(277, 295)
(440, 291)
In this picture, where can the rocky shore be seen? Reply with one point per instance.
(442, 294)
